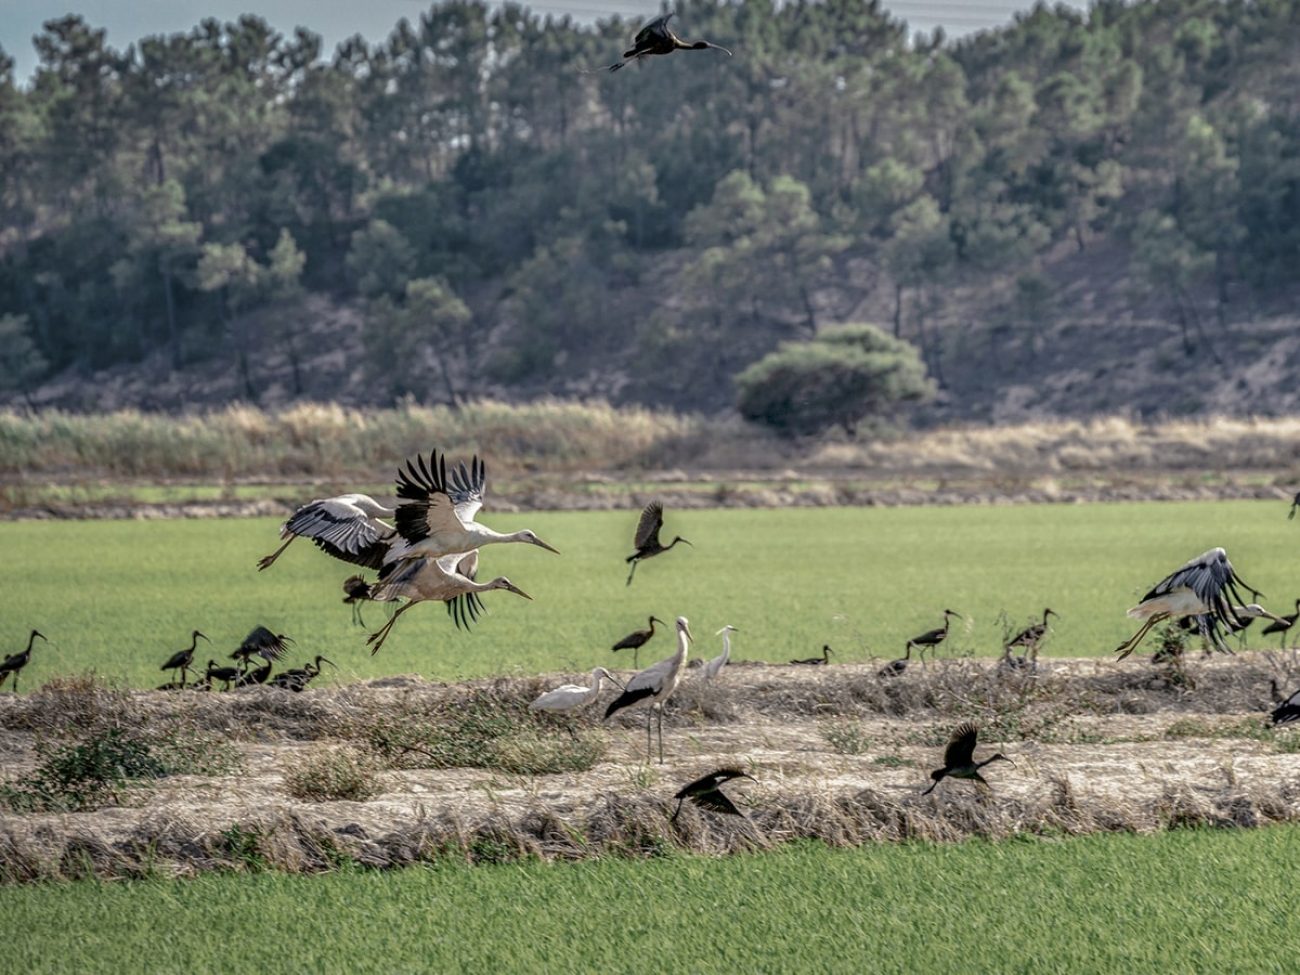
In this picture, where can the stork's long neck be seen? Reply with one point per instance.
(726, 647)
(682, 645)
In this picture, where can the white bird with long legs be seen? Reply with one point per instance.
(653, 686)
(435, 515)
(349, 527)
(449, 579)
(567, 697)
(1206, 587)
(714, 666)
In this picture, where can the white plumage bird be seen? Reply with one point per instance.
(435, 515)
(1205, 588)
(567, 697)
(349, 527)
(653, 686)
(714, 666)
(425, 579)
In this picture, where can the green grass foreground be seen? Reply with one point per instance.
(119, 596)
(1178, 901)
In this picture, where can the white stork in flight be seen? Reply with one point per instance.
(1206, 587)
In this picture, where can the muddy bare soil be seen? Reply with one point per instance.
(838, 753)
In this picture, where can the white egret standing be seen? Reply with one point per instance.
(653, 686)
(714, 666)
(1201, 588)
(566, 697)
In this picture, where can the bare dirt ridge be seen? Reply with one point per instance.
(838, 753)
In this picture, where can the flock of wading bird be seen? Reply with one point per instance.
(426, 549)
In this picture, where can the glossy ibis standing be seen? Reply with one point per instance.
(653, 686)
(959, 758)
(356, 591)
(13, 663)
(895, 667)
(706, 792)
(714, 666)
(1201, 588)
(647, 536)
(932, 638)
(1282, 624)
(181, 659)
(296, 680)
(821, 661)
(637, 639)
(256, 676)
(227, 675)
(657, 38)
(1031, 636)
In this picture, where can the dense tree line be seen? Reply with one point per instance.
(471, 176)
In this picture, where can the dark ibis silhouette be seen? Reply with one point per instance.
(227, 675)
(181, 659)
(896, 667)
(261, 642)
(821, 661)
(1295, 504)
(257, 675)
(959, 758)
(653, 686)
(296, 680)
(356, 593)
(1031, 636)
(706, 792)
(1286, 709)
(1205, 588)
(637, 639)
(657, 38)
(13, 663)
(932, 638)
(1283, 624)
(647, 536)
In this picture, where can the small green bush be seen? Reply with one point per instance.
(329, 773)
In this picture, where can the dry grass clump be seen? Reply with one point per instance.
(845, 736)
(488, 727)
(634, 825)
(327, 773)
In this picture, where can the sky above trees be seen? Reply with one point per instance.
(129, 20)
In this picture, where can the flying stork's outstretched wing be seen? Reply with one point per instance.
(467, 487)
(425, 507)
(342, 530)
(1214, 581)
(647, 528)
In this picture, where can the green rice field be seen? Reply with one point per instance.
(1178, 901)
(118, 596)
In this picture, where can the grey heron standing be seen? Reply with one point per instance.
(637, 639)
(647, 540)
(1204, 588)
(714, 666)
(13, 663)
(653, 686)
(706, 792)
(959, 758)
(181, 659)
